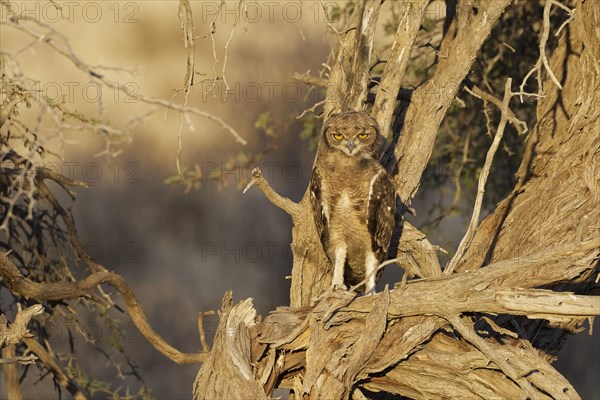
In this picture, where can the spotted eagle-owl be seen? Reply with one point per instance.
(353, 198)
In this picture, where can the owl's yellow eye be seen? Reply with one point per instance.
(338, 136)
(363, 136)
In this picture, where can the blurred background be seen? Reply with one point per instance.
(182, 250)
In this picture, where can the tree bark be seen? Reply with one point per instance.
(456, 335)
(557, 196)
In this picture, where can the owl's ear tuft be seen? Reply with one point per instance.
(328, 122)
(373, 123)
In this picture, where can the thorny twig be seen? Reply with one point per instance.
(187, 26)
(48, 358)
(65, 50)
(466, 240)
(520, 126)
(23, 360)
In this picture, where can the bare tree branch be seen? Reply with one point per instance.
(475, 91)
(22, 286)
(187, 26)
(284, 203)
(61, 376)
(361, 57)
(66, 51)
(430, 102)
(389, 86)
(466, 240)
(13, 333)
(23, 360)
(338, 84)
(543, 58)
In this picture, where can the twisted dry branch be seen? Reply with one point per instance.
(21, 286)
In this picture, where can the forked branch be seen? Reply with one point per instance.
(13, 333)
(543, 58)
(22, 286)
(489, 158)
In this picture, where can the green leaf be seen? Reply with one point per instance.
(263, 120)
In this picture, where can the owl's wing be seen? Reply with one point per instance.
(381, 215)
(319, 206)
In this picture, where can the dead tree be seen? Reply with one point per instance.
(490, 323)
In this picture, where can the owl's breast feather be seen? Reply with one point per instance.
(349, 215)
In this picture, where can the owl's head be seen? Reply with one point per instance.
(355, 133)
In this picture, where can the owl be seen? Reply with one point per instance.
(353, 198)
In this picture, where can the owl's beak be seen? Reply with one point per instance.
(350, 146)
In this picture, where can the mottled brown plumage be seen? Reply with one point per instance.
(353, 198)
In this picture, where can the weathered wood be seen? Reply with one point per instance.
(360, 55)
(14, 332)
(345, 340)
(228, 373)
(438, 337)
(11, 373)
(331, 370)
(464, 372)
(557, 196)
(430, 102)
(391, 80)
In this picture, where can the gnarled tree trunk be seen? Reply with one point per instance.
(461, 334)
